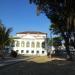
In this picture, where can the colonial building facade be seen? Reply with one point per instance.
(30, 43)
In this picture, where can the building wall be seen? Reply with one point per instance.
(24, 38)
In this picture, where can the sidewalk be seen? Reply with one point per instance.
(10, 60)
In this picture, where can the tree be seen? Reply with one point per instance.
(55, 41)
(4, 37)
(62, 15)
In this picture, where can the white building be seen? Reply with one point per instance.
(30, 43)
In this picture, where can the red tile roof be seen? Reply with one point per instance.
(31, 32)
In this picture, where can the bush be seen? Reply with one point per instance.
(13, 54)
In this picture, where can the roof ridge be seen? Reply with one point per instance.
(31, 32)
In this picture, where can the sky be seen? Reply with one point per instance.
(21, 16)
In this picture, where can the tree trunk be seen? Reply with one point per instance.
(1, 52)
(69, 56)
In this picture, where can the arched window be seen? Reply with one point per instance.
(27, 44)
(22, 44)
(38, 44)
(17, 44)
(43, 44)
(32, 44)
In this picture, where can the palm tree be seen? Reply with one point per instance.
(4, 38)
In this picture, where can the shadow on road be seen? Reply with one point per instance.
(55, 67)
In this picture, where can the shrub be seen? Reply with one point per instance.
(13, 54)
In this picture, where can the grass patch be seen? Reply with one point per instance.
(40, 59)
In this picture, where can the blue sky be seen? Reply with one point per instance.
(21, 16)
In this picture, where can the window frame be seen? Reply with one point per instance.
(27, 51)
(43, 52)
(27, 44)
(22, 51)
(17, 43)
(37, 51)
(38, 44)
(32, 51)
(22, 44)
(32, 45)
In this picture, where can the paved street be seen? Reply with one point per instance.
(31, 67)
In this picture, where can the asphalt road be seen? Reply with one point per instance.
(32, 68)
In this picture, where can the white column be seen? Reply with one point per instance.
(30, 43)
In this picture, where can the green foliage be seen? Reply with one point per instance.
(62, 15)
(4, 35)
(54, 29)
(55, 41)
(13, 54)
